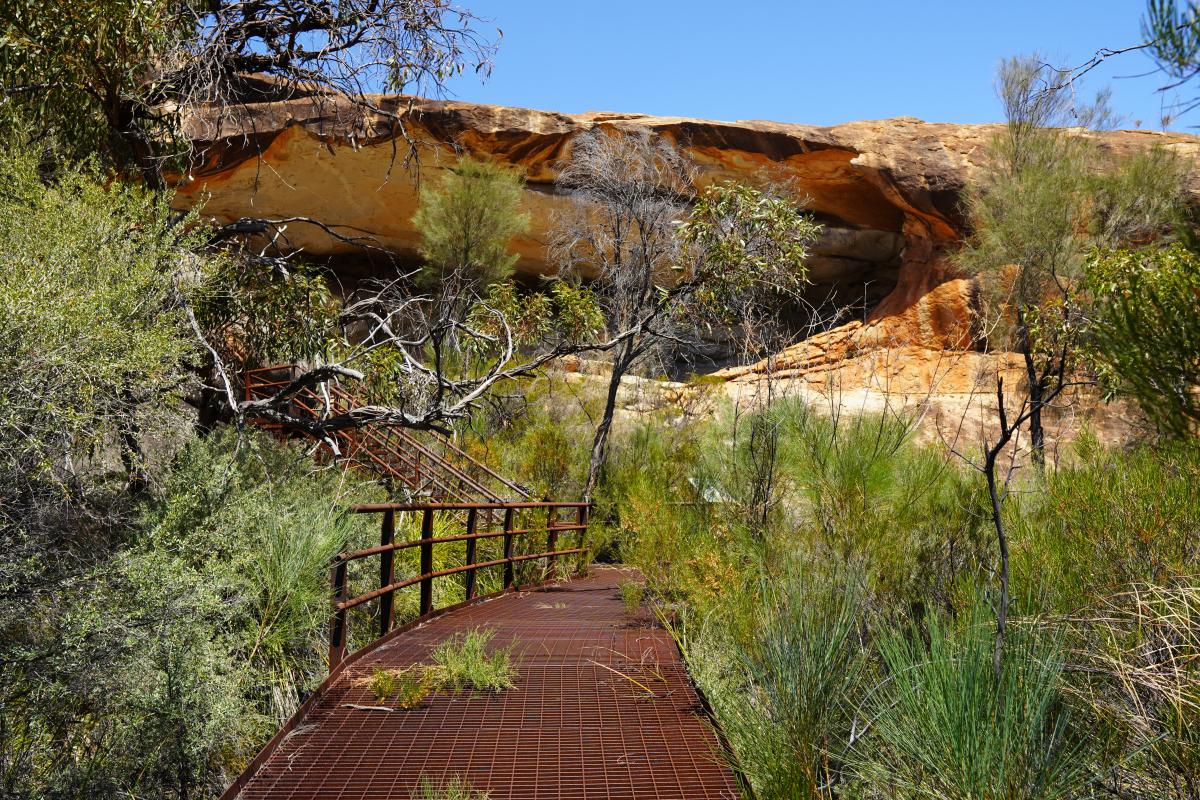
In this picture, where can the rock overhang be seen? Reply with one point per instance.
(888, 191)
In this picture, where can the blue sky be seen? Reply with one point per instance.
(812, 62)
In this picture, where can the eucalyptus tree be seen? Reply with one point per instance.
(665, 264)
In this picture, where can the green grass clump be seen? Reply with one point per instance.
(457, 788)
(948, 728)
(463, 663)
(783, 678)
(632, 593)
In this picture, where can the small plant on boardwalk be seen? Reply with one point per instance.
(463, 663)
(382, 684)
(457, 788)
(409, 686)
(646, 668)
(632, 593)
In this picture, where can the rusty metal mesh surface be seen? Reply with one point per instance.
(571, 728)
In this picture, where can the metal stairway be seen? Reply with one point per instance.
(427, 464)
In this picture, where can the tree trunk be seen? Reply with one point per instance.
(1002, 543)
(600, 441)
(129, 145)
(1037, 396)
(209, 410)
(1037, 401)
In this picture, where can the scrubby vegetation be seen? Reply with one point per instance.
(845, 639)
(160, 657)
(869, 616)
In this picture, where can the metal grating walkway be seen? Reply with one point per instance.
(571, 728)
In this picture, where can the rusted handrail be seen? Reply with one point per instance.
(374, 508)
(386, 550)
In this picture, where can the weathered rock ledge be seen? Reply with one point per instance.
(888, 191)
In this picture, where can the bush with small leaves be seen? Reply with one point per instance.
(409, 686)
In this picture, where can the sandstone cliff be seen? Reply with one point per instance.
(888, 191)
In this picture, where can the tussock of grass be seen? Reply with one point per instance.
(781, 679)
(463, 663)
(1143, 661)
(632, 593)
(457, 788)
(948, 728)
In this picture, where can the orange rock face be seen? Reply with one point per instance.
(888, 192)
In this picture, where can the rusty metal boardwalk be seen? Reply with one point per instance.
(573, 727)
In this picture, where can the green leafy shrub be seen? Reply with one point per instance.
(171, 659)
(256, 314)
(93, 339)
(266, 523)
(1145, 336)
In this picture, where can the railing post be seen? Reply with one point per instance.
(470, 574)
(582, 520)
(337, 623)
(551, 538)
(387, 571)
(508, 548)
(426, 561)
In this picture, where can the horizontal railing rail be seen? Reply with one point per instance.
(506, 559)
